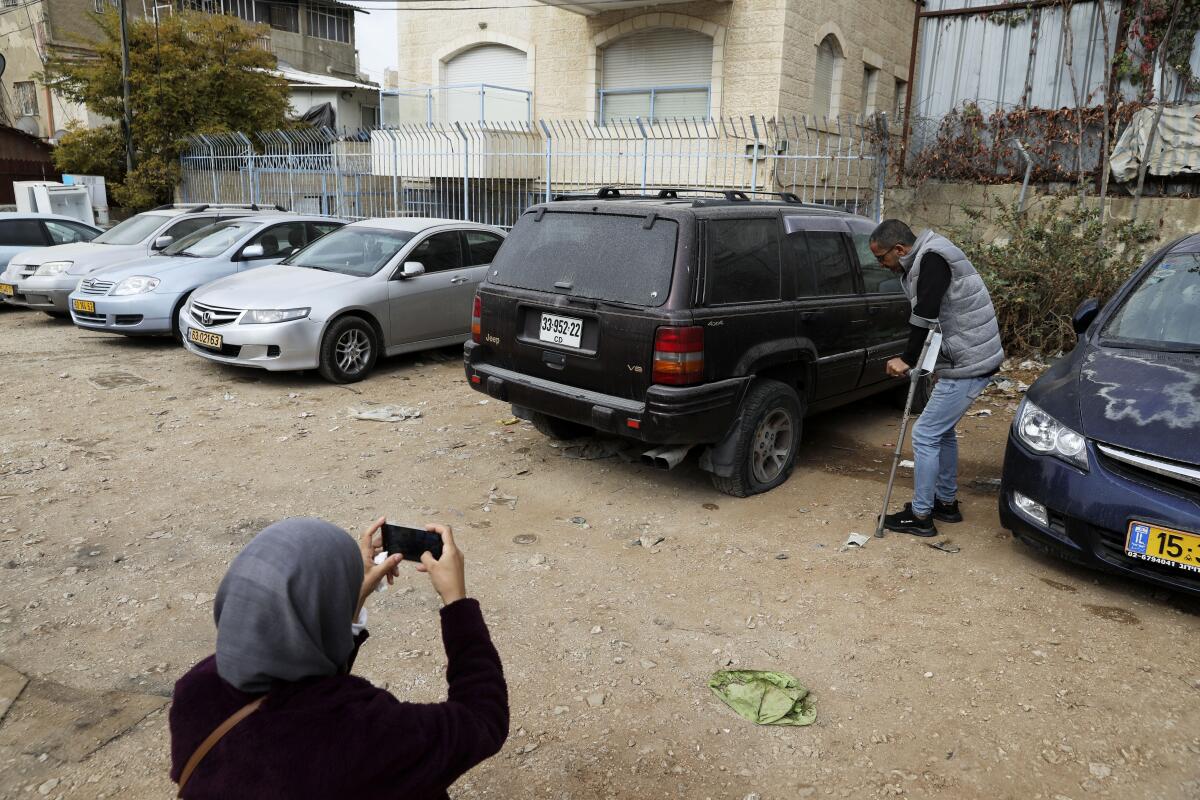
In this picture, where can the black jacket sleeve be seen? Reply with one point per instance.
(931, 287)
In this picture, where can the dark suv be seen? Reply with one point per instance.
(683, 321)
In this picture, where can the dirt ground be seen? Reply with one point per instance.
(131, 472)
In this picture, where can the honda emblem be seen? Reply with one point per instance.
(206, 318)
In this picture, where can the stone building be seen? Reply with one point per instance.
(313, 40)
(618, 59)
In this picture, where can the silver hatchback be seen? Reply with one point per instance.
(375, 287)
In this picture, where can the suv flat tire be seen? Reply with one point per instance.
(768, 431)
(555, 428)
(349, 350)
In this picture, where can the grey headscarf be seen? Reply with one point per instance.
(284, 608)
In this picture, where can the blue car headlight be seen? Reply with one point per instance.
(1042, 433)
(137, 284)
(268, 315)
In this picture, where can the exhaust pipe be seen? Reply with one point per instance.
(667, 457)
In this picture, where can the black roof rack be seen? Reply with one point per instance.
(194, 208)
(725, 196)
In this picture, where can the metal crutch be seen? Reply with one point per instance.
(914, 375)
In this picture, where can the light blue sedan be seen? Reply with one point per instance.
(145, 297)
(20, 231)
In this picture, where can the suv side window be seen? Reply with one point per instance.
(187, 225)
(281, 240)
(481, 247)
(828, 265)
(877, 279)
(68, 232)
(743, 261)
(440, 252)
(21, 233)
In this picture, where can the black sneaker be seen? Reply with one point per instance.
(907, 522)
(946, 512)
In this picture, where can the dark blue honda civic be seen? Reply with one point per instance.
(1103, 459)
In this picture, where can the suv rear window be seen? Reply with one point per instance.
(595, 256)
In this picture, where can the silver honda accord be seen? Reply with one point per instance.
(375, 287)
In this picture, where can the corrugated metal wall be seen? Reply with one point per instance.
(986, 58)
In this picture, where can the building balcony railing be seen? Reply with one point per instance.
(480, 103)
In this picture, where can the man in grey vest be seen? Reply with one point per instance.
(947, 295)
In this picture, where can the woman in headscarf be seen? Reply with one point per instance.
(275, 713)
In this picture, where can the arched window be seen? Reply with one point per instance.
(827, 79)
(488, 83)
(656, 74)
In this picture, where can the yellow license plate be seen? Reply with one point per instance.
(204, 338)
(8, 289)
(84, 305)
(1161, 545)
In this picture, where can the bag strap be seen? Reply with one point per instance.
(215, 737)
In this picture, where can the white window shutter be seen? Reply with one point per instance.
(657, 59)
(491, 64)
(823, 79)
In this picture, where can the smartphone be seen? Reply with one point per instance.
(410, 542)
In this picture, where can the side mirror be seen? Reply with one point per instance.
(1082, 319)
(412, 269)
(161, 242)
(252, 251)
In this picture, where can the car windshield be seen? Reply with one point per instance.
(1163, 312)
(211, 240)
(132, 230)
(618, 259)
(352, 250)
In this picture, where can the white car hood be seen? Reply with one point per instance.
(86, 256)
(277, 286)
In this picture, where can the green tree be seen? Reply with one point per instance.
(189, 74)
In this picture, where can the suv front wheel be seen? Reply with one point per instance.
(767, 438)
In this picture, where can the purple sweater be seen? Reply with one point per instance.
(342, 737)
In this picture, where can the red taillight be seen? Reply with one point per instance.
(476, 314)
(678, 356)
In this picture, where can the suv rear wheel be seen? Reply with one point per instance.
(556, 428)
(767, 439)
(348, 351)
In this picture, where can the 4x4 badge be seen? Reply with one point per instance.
(715, 322)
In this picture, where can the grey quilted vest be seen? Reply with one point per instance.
(970, 335)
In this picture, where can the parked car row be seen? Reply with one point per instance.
(264, 288)
(711, 324)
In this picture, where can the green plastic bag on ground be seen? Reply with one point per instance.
(765, 698)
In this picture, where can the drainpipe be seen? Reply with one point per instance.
(49, 112)
(1028, 169)
(908, 90)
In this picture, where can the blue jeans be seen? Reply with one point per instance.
(935, 445)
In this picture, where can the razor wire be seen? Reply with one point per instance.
(492, 171)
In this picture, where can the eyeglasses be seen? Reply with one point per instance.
(885, 253)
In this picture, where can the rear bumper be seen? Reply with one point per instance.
(1089, 514)
(670, 414)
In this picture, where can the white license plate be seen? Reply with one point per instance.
(561, 330)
